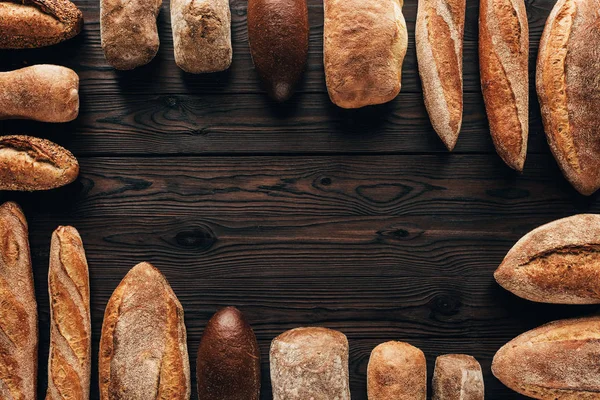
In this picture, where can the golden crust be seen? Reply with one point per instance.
(457, 377)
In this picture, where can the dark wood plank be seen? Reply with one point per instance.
(84, 54)
(251, 124)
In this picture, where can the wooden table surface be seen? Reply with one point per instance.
(299, 214)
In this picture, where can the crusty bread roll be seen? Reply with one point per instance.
(18, 308)
(457, 377)
(503, 59)
(38, 23)
(397, 370)
(28, 164)
(310, 363)
(278, 36)
(201, 35)
(228, 364)
(128, 32)
(556, 263)
(70, 327)
(439, 35)
(567, 83)
(143, 349)
(364, 46)
(47, 93)
(558, 360)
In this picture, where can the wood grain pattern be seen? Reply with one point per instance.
(299, 214)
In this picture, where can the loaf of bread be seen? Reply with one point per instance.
(38, 23)
(201, 35)
(310, 363)
(143, 349)
(397, 370)
(278, 36)
(128, 32)
(28, 164)
(364, 46)
(556, 263)
(70, 327)
(558, 360)
(47, 93)
(18, 308)
(228, 365)
(457, 377)
(567, 83)
(439, 35)
(503, 59)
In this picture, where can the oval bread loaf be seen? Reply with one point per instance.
(128, 32)
(38, 23)
(278, 36)
(503, 60)
(558, 360)
(457, 377)
(364, 46)
(397, 370)
(143, 349)
(46, 93)
(202, 35)
(28, 164)
(18, 308)
(310, 363)
(439, 35)
(568, 88)
(556, 263)
(69, 362)
(228, 365)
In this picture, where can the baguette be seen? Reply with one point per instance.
(364, 46)
(202, 35)
(439, 35)
(567, 83)
(556, 263)
(28, 164)
(143, 349)
(18, 308)
(46, 93)
(396, 370)
(38, 23)
(278, 36)
(558, 360)
(70, 327)
(129, 32)
(228, 365)
(310, 363)
(503, 58)
(457, 377)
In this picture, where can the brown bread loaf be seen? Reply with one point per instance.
(556, 263)
(503, 59)
(128, 32)
(278, 36)
(397, 370)
(558, 360)
(364, 46)
(70, 327)
(38, 23)
(439, 37)
(457, 377)
(310, 363)
(201, 35)
(567, 83)
(28, 164)
(143, 349)
(47, 93)
(18, 308)
(228, 365)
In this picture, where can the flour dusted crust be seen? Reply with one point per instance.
(310, 363)
(457, 377)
